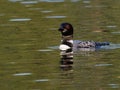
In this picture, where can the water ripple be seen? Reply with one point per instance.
(35, 8)
(22, 74)
(14, 0)
(55, 16)
(41, 80)
(51, 0)
(114, 85)
(20, 19)
(111, 26)
(101, 65)
(115, 32)
(54, 47)
(75, 0)
(29, 2)
(1, 14)
(46, 11)
(86, 1)
(44, 50)
(111, 46)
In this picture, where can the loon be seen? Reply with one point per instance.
(68, 44)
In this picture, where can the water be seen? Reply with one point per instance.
(22, 74)
(29, 41)
(41, 80)
(14, 0)
(46, 11)
(45, 50)
(115, 32)
(19, 19)
(55, 16)
(29, 2)
(52, 0)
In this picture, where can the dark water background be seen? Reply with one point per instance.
(29, 40)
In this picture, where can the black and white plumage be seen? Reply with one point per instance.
(68, 44)
(88, 44)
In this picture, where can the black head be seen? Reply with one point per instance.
(66, 29)
(67, 26)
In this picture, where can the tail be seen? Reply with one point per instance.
(97, 44)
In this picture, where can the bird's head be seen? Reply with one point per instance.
(66, 26)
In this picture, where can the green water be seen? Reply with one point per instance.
(28, 30)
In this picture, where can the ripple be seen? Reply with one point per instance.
(6, 25)
(20, 19)
(54, 47)
(55, 16)
(111, 26)
(100, 6)
(101, 65)
(29, 2)
(45, 50)
(14, 0)
(116, 32)
(1, 14)
(22, 74)
(97, 6)
(41, 80)
(89, 6)
(51, 0)
(35, 8)
(53, 28)
(75, 0)
(46, 11)
(111, 46)
(114, 85)
(86, 1)
(24, 44)
(12, 62)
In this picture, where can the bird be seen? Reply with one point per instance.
(67, 42)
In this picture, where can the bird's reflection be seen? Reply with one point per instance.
(85, 51)
(66, 68)
(66, 62)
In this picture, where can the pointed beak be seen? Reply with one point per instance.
(61, 28)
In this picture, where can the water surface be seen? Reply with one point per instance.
(29, 42)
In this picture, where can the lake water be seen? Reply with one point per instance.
(29, 39)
